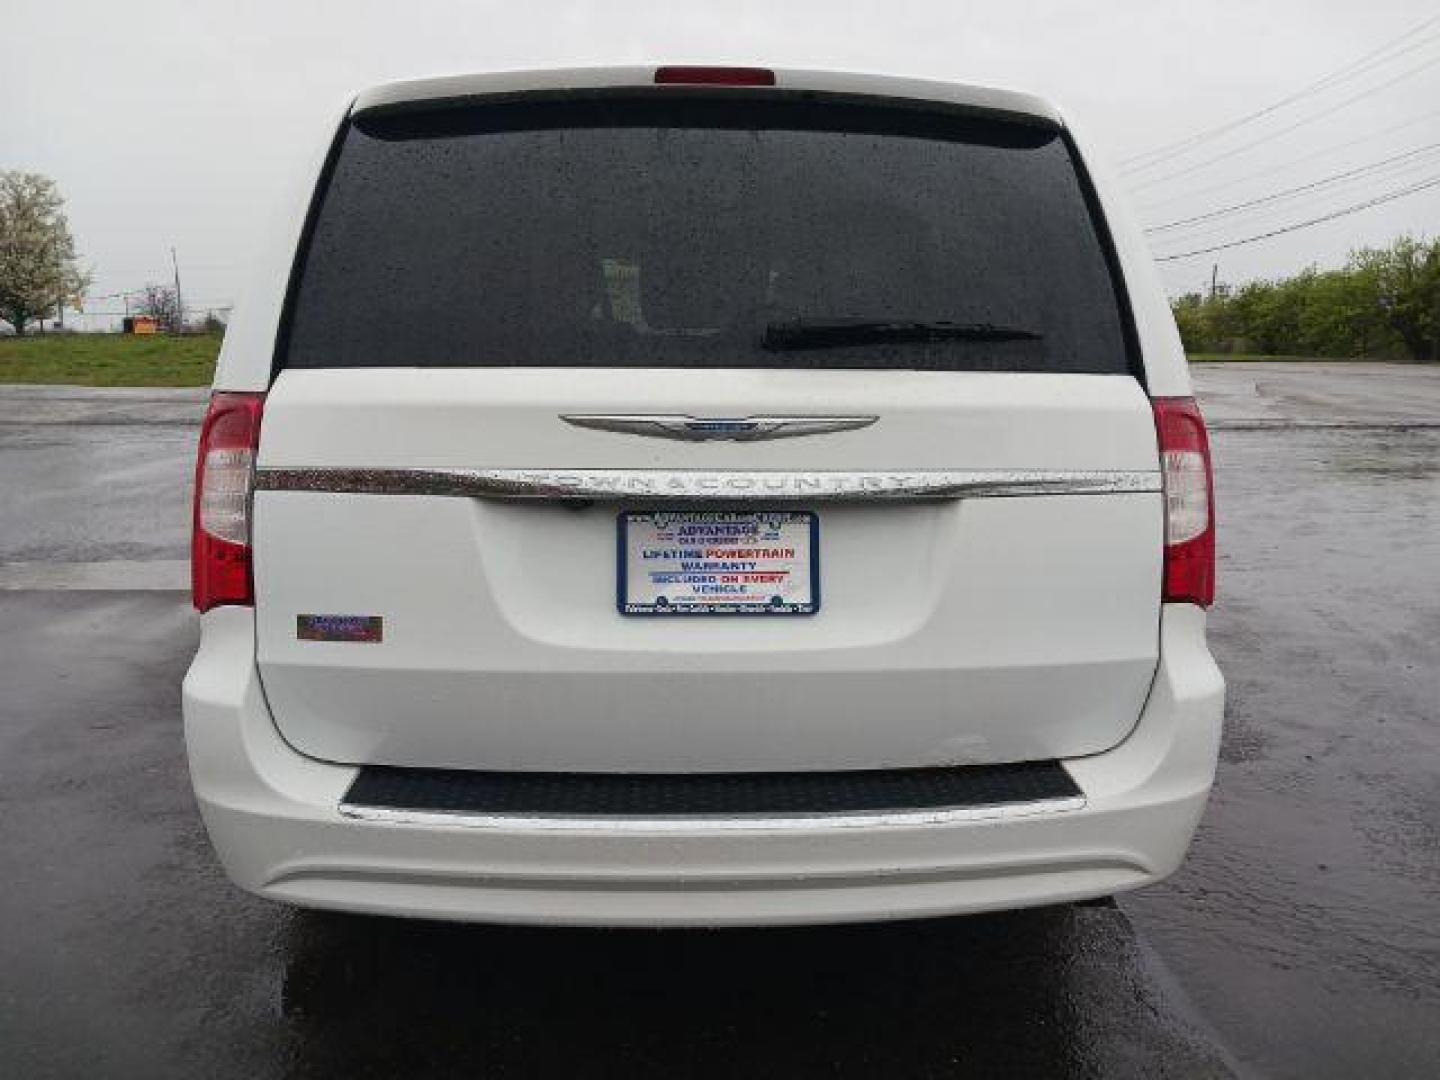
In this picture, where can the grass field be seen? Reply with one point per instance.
(1227, 358)
(109, 359)
(145, 360)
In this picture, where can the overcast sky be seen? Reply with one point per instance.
(178, 122)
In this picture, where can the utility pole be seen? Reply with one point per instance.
(1214, 279)
(179, 303)
(60, 283)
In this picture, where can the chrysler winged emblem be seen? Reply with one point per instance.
(717, 429)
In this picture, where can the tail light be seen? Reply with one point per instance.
(714, 76)
(224, 476)
(1189, 502)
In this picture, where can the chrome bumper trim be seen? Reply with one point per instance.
(659, 485)
(697, 823)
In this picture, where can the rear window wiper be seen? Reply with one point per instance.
(837, 333)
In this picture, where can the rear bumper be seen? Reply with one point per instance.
(274, 817)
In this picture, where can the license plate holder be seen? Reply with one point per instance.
(698, 563)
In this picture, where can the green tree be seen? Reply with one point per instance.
(1260, 318)
(1383, 302)
(1191, 318)
(38, 271)
(1339, 317)
(1403, 282)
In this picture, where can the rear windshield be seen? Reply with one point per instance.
(693, 232)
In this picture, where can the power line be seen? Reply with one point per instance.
(1304, 121)
(1336, 78)
(91, 314)
(113, 295)
(1389, 196)
(1289, 192)
(1343, 74)
(1278, 214)
(88, 297)
(1262, 173)
(1278, 218)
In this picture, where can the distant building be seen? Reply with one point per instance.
(141, 324)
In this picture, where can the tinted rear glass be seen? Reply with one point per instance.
(672, 233)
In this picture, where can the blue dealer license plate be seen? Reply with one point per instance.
(722, 562)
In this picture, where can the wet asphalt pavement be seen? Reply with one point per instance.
(1301, 939)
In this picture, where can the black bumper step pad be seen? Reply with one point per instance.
(639, 795)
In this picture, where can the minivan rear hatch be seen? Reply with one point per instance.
(536, 347)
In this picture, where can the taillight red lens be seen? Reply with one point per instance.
(224, 475)
(714, 76)
(1189, 502)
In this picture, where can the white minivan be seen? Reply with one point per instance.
(702, 496)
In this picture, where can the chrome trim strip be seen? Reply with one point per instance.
(661, 485)
(717, 429)
(897, 819)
